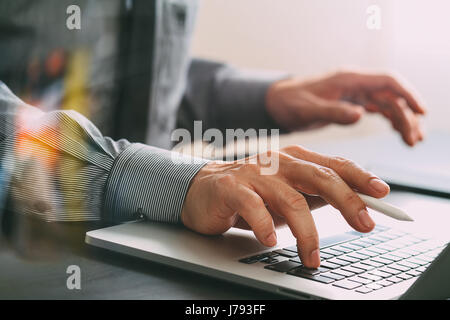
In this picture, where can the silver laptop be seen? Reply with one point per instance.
(383, 264)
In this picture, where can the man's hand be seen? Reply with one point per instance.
(342, 98)
(227, 194)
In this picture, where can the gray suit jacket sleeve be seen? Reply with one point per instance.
(225, 97)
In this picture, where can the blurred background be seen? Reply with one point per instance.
(309, 38)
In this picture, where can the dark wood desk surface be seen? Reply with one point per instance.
(32, 266)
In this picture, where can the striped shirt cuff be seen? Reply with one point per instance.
(151, 182)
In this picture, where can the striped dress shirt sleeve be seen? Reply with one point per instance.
(57, 166)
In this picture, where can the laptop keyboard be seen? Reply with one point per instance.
(357, 261)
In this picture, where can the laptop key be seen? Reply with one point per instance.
(357, 255)
(287, 254)
(386, 247)
(351, 246)
(296, 259)
(364, 290)
(269, 260)
(370, 241)
(332, 275)
(329, 265)
(360, 280)
(334, 240)
(368, 253)
(380, 273)
(381, 260)
(374, 286)
(408, 264)
(370, 276)
(341, 248)
(270, 254)
(353, 269)
(349, 259)
(363, 266)
(377, 250)
(397, 233)
(395, 279)
(396, 244)
(291, 249)
(389, 270)
(332, 251)
(346, 284)
(399, 267)
(339, 262)
(361, 243)
(319, 278)
(404, 276)
(252, 259)
(386, 236)
(372, 263)
(410, 251)
(416, 261)
(380, 238)
(310, 271)
(325, 256)
(421, 269)
(385, 283)
(343, 273)
(413, 273)
(380, 228)
(283, 266)
(401, 254)
(424, 258)
(248, 260)
(390, 257)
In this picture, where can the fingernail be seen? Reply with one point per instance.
(378, 185)
(272, 239)
(315, 256)
(365, 219)
(354, 112)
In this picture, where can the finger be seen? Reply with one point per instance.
(252, 209)
(278, 220)
(325, 182)
(376, 82)
(341, 112)
(354, 175)
(407, 95)
(402, 117)
(289, 203)
(407, 122)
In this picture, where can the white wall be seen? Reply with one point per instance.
(422, 53)
(309, 37)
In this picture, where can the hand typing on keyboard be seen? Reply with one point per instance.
(235, 194)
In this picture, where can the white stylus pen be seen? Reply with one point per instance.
(384, 208)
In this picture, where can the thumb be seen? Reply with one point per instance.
(342, 112)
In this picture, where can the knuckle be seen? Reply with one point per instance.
(226, 180)
(341, 163)
(295, 149)
(324, 173)
(351, 197)
(264, 223)
(252, 202)
(251, 167)
(296, 202)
